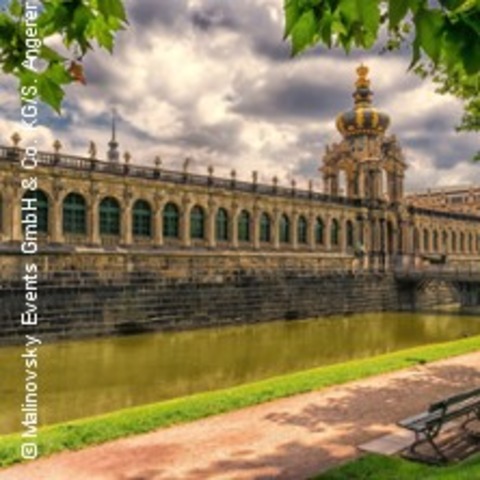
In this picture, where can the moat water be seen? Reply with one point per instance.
(84, 378)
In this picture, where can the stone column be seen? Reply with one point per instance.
(93, 219)
(56, 220)
(211, 215)
(328, 231)
(294, 230)
(234, 225)
(158, 220)
(275, 228)
(312, 223)
(127, 221)
(256, 227)
(13, 212)
(185, 222)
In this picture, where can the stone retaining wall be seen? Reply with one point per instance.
(94, 294)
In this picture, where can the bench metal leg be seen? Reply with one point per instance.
(428, 437)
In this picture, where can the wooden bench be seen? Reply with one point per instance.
(427, 425)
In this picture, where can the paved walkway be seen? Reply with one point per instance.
(292, 438)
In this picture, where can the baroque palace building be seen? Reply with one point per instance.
(83, 203)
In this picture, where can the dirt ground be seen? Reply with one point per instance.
(288, 439)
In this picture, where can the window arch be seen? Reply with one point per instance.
(454, 242)
(221, 225)
(284, 229)
(462, 242)
(335, 233)
(445, 241)
(426, 240)
(171, 221)
(302, 230)
(142, 219)
(350, 234)
(319, 231)
(75, 214)
(265, 228)
(435, 241)
(470, 242)
(416, 239)
(40, 206)
(244, 226)
(109, 216)
(197, 223)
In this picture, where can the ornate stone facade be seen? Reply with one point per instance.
(449, 199)
(85, 204)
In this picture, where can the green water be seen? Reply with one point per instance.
(84, 378)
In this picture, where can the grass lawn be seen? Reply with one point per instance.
(376, 467)
(88, 431)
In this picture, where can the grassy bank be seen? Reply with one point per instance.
(375, 467)
(99, 429)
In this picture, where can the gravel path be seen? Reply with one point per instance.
(288, 439)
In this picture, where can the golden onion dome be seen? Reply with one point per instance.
(363, 119)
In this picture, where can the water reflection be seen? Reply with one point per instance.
(84, 378)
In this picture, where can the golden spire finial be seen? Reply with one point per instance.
(362, 80)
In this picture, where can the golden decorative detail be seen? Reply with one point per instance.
(375, 118)
(16, 139)
(57, 145)
(360, 117)
(362, 72)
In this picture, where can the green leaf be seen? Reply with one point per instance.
(49, 92)
(325, 28)
(100, 31)
(416, 54)
(56, 72)
(396, 12)
(471, 58)
(292, 15)
(112, 8)
(369, 12)
(429, 25)
(452, 4)
(415, 5)
(305, 32)
(50, 55)
(15, 8)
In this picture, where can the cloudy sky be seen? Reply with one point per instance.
(213, 80)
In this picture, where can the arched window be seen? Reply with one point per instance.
(445, 241)
(435, 241)
(426, 240)
(319, 231)
(36, 203)
(244, 226)
(416, 240)
(75, 214)
(109, 216)
(221, 225)
(454, 242)
(350, 234)
(284, 229)
(335, 233)
(265, 228)
(142, 219)
(462, 242)
(302, 230)
(470, 241)
(197, 223)
(171, 221)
